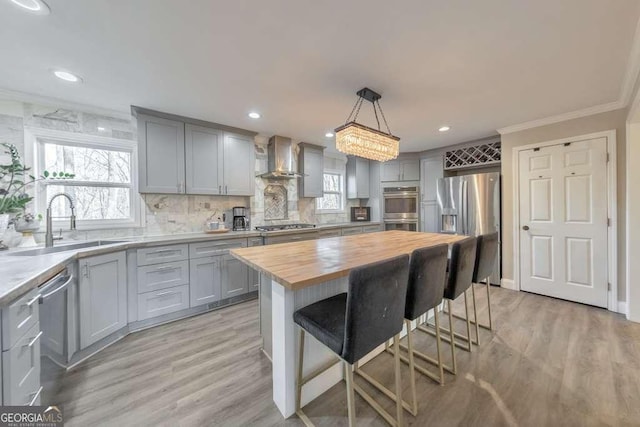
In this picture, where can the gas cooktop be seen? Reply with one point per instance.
(284, 227)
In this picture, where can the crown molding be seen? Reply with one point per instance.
(625, 97)
(602, 108)
(30, 98)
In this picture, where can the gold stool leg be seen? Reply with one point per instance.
(438, 344)
(399, 410)
(351, 404)
(466, 312)
(453, 339)
(489, 303)
(475, 315)
(412, 370)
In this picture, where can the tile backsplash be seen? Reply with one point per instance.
(168, 214)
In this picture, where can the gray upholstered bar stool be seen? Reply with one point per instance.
(486, 255)
(427, 274)
(353, 324)
(461, 266)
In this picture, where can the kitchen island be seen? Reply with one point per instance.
(297, 274)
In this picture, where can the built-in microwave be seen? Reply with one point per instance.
(401, 224)
(401, 203)
(362, 213)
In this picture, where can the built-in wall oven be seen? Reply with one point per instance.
(400, 208)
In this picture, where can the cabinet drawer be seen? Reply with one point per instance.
(19, 317)
(162, 276)
(255, 241)
(288, 238)
(215, 247)
(371, 228)
(152, 304)
(160, 254)
(21, 370)
(329, 233)
(351, 230)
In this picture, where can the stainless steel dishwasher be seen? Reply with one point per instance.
(54, 323)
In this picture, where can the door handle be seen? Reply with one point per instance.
(525, 228)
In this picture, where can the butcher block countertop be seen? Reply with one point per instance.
(298, 265)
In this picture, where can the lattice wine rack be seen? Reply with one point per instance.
(479, 155)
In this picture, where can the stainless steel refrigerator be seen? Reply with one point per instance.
(470, 205)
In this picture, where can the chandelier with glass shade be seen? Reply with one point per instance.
(356, 139)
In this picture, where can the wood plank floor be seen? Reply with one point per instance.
(549, 363)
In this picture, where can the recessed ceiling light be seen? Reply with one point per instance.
(254, 115)
(444, 128)
(328, 135)
(34, 6)
(67, 76)
(101, 129)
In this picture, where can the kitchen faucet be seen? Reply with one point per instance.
(48, 237)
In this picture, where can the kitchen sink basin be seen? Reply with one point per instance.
(65, 247)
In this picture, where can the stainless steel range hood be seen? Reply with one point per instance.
(281, 161)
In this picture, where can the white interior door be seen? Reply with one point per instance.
(563, 221)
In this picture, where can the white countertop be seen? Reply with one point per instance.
(20, 274)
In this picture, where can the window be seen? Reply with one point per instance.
(333, 192)
(103, 187)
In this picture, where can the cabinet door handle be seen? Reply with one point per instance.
(33, 300)
(86, 271)
(33, 341)
(225, 190)
(166, 268)
(161, 294)
(219, 189)
(163, 251)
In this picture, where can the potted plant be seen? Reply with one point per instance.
(14, 180)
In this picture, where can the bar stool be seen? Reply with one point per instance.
(486, 254)
(461, 266)
(427, 273)
(353, 324)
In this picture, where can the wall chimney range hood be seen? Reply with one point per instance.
(281, 159)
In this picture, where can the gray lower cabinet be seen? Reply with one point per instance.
(160, 155)
(103, 296)
(18, 317)
(254, 275)
(372, 228)
(235, 277)
(205, 280)
(162, 276)
(21, 370)
(163, 301)
(323, 234)
(348, 231)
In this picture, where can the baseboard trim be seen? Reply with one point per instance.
(622, 307)
(509, 284)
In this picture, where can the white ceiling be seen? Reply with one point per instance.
(474, 65)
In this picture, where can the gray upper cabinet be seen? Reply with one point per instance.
(410, 169)
(357, 178)
(311, 165)
(432, 171)
(204, 160)
(161, 155)
(390, 171)
(401, 170)
(178, 155)
(239, 165)
(103, 296)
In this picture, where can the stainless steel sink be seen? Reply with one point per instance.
(65, 247)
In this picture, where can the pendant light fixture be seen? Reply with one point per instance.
(356, 139)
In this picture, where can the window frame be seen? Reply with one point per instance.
(342, 192)
(34, 149)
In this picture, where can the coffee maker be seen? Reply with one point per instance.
(240, 218)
